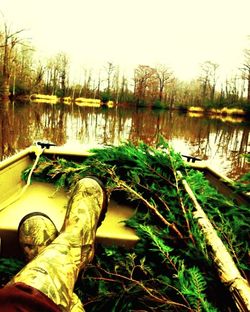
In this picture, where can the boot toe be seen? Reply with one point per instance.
(35, 231)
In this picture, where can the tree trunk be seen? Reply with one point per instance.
(5, 89)
(161, 92)
(248, 87)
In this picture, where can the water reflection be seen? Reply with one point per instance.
(220, 142)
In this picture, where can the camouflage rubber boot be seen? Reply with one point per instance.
(55, 270)
(36, 231)
(81, 223)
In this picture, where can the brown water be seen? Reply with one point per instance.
(220, 142)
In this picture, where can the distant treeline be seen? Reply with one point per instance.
(21, 75)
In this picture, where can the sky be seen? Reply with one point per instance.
(181, 34)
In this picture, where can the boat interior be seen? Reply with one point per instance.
(17, 200)
(43, 197)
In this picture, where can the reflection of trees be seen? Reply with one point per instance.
(41, 122)
(231, 142)
(239, 163)
(100, 126)
(22, 124)
(244, 140)
(53, 125)
(205, 138)
(7, 137)
(146, 126)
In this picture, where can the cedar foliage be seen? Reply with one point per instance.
(170, 269)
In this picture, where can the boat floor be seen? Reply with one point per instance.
(42, 197)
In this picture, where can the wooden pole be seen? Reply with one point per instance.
(227, 269)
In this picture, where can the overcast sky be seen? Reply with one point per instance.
(179, 33)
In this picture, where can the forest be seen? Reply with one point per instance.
(21, 75)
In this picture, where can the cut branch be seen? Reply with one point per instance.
(149, 291)
(227, 269)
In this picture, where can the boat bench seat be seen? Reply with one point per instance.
(42, 197)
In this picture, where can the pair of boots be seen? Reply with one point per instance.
(55, 259)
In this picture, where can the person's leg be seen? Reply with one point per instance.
(55, 270)
(35, 232)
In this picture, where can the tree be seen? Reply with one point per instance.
(57, 70)
(98, 87)
(63, 72)
(115, 84)
(246, 72)
(87, 82)
(124, 92)
(9, 42)
(37, 81)
(142, 75)
(23, 74)
(232, 90)
(208, 80)
(163, 75)
(109, 69)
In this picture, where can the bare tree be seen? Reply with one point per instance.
(123, 89)
(110, 70)
(115, 83)
(246, 72)
(63, 72)
(164, 76)
(38, 76)
(23, 74)
(87, 82)
(208, 79)
(142, 76)
(10, 41)
(232, 89)
(98, 87)
(56, 74)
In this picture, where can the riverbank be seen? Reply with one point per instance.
(233, 115)
(81, 101)
(225, 111)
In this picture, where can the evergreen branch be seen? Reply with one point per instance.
(163, 248)
(126, 187)
(158, 197)
(181, 294)
(161, 176)
(232, 250)
(160, 299)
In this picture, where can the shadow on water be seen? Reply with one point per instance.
(221, 142)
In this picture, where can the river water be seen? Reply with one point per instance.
(221, 142)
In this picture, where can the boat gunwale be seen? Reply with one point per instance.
(61, 151)
(16, 157)
(223, 179)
